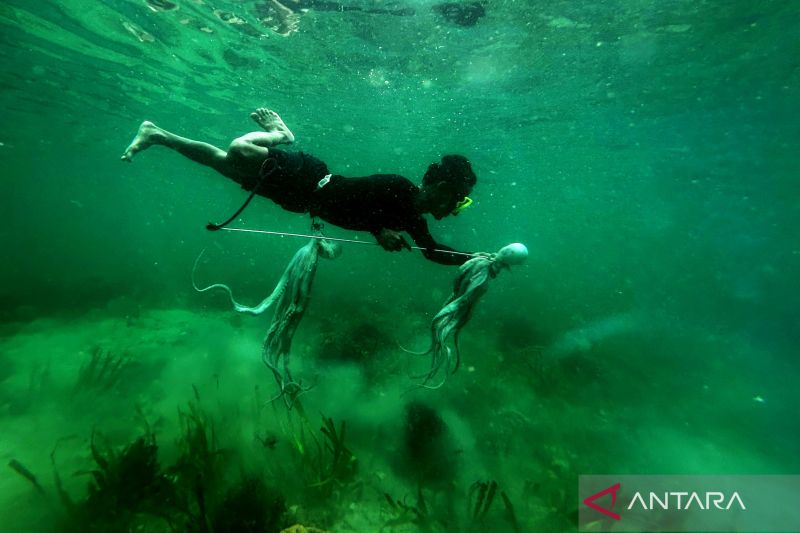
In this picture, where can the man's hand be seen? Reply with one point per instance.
(392, 240)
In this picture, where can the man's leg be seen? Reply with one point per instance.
(206, 154)
(243, 158)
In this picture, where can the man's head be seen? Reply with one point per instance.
(445, 185)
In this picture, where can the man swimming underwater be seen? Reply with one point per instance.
(383, 204)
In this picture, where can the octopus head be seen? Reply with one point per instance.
(513, 254)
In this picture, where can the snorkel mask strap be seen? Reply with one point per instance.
(460, 206)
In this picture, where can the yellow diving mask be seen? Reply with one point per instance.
(460, 206)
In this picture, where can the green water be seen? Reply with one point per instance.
(645, 151)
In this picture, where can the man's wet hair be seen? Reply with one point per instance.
(454, 169)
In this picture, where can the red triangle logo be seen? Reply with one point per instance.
(610, 490)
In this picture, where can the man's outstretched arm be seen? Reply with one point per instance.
(433, 251)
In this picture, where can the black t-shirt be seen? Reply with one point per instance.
(291, 179)
(375, 202)
(369, 203)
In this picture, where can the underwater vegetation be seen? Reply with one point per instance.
(102, 372)
(416, 513)
(334, 460)
(324, 468)
(204, 487)
(400, 465)
(476, 514)
(479, 502)
(249, 506)
(129, 490)
(20, 469)
(215, 468)
(126, 487)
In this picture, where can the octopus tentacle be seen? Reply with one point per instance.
(457, 352)
(290, 298)
(470, 284)
(255, 310)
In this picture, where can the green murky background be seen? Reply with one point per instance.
(646, 152)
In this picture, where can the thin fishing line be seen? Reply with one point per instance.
(265, 232)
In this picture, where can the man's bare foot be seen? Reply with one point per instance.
(148, 135)
(271, 122)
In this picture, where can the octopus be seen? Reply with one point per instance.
(471, 283)
(290, 299)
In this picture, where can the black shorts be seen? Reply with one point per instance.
(291, 179)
